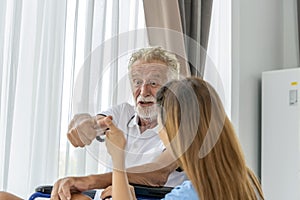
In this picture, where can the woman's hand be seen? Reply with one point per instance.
(115, 143)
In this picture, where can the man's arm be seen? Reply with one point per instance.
(155, 173)
(63, 188)
(152, 174)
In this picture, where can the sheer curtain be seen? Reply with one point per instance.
(102, 35)
(50, 56)
(218, 62)
(32, 37)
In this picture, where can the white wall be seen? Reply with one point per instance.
(264, 37)
(290, 34)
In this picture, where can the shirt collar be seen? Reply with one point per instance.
(134, 122)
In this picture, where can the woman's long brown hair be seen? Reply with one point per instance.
(203, 139)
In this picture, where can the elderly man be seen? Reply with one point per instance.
(149, 69)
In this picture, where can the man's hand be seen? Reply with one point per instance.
(107, 192)
(63, 188)
(84, 128)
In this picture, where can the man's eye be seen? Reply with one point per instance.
(153, 83)
(137, 82)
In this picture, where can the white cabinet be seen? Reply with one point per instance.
(281, 134)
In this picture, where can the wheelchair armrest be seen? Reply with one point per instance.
(153, 192)
(140, 191)
(45, 189)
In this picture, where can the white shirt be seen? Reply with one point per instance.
(140, 148)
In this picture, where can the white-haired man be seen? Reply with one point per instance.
(147, 161)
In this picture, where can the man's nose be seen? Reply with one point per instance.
(145, 90)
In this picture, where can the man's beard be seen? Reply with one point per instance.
(149, 112)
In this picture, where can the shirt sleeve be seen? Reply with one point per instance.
(185, 191)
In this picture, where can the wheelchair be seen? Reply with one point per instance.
(142, 192)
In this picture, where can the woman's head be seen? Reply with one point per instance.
(203, 139)
(191, 108)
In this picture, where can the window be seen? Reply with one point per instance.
(219, 52)
(89, 28)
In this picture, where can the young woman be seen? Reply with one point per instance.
(201, 137)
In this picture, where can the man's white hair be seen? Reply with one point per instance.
(160, 54)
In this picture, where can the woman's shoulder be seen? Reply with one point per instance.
(183, 191)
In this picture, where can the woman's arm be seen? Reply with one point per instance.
(115, 143)
(120, 185)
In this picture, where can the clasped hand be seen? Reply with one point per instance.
(84, 128)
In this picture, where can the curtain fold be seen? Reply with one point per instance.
(9, 57)
(31, 88)
(165, 29)
(188, 17)
(195, 18)
(47, 89)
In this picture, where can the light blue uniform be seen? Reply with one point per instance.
(182, 192)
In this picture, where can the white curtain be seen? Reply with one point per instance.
(102, 36)
(218, 61)
(57, 58)
(32, 52)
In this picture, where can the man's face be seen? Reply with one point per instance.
(146, 79)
